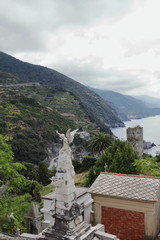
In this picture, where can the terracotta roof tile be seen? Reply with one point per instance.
(127, 186)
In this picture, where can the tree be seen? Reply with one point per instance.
(118, 158)
(90, 177)
(12, 211)
(43, 174)
(100, 142)
(30, 172)
(157, 157)
(84, 165)
(9, 170)
(87, 162)
(149, 166)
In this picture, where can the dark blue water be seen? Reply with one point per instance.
(151, 131)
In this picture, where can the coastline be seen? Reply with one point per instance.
(151, 131)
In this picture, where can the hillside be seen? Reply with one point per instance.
(7, 78)
(98, 110)
(151, 102)
(30, 116)
(60, 102)
(29, 125)
(129, 106)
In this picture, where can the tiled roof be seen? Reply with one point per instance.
(127, 186)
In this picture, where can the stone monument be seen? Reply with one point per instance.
(68, 222)
(67, 217)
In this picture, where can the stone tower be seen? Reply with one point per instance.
(135, 137)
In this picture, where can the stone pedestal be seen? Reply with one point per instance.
(68, 234)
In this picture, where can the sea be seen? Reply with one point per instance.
(151, 131)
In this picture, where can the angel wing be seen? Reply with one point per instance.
(74, 132)
(70, 135)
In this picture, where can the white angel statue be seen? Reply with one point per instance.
(68, 138)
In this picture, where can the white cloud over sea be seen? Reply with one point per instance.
(105, 44)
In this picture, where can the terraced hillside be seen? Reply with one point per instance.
(61, 102)
(7, 78)
(98, 110)
(29, 125)
(30, 116)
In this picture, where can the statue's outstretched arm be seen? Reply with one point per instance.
(61, 135)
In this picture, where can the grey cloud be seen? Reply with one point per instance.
(82, 12)
(157, 74)
(18, 31)
(16, 38)
(24, 24)
(141, 47)
(111, 79)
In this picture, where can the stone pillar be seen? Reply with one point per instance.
(135, 137)
(33, 219)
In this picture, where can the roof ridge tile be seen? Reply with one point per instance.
(131, 175)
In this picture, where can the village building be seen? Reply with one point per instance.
(128, 205)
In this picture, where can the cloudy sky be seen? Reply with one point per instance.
(108, 44)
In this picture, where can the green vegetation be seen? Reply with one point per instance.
(9, 171)
(149, 166)
(7, 78)
(100, 142)
(97, 144)
(11, 181)
(62, 102)
(79, 179)
(29, 125)
(17, 192)
(29, 116)
(12, 211)
(119, 158)
(84, 165)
